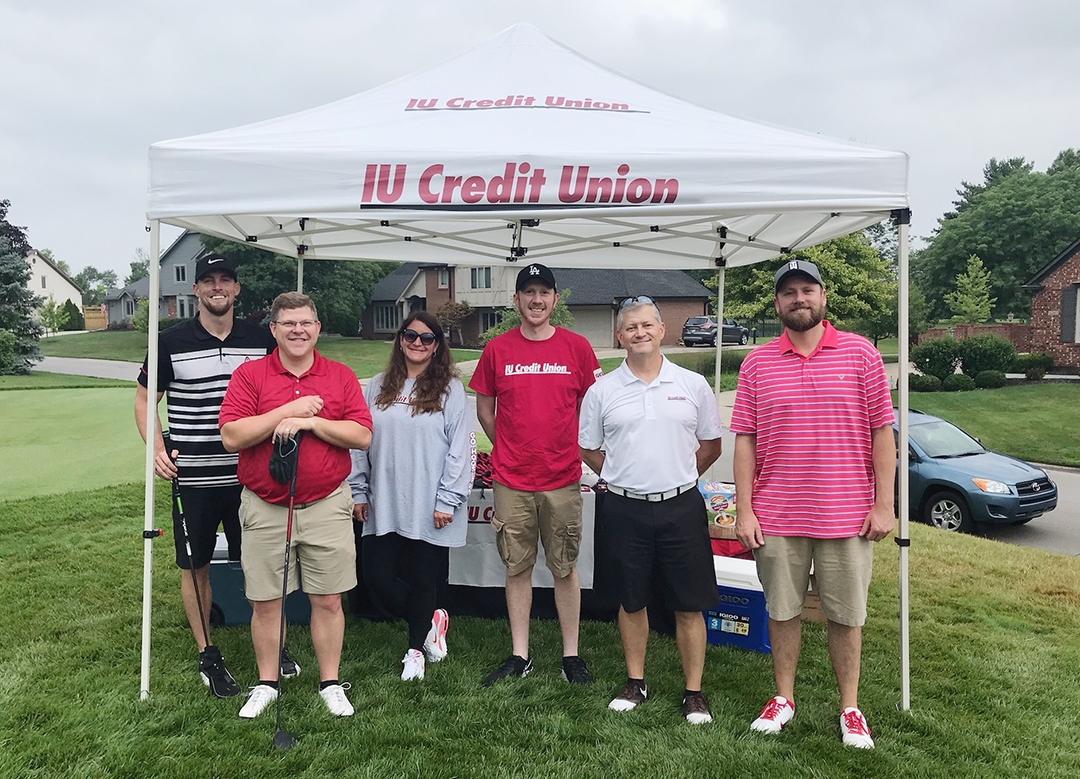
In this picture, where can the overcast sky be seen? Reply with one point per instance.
(85, 88)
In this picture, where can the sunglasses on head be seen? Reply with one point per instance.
(638, 299)
(427, 339)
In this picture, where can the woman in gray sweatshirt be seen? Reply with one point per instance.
(411, 485)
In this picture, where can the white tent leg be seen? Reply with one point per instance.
(904, 507)
(148, 471)
(719, 323)
(300, 274)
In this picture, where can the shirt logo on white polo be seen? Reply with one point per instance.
(677, 397)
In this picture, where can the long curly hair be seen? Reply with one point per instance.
(433, 384)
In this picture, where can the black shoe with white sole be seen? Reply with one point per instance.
(215, 675)
(289, 667)
(511, 666)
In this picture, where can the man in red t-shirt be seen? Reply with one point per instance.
(529, 384)
(814, 469)
(292, 390)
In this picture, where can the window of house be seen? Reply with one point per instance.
(181, 272)
(444, 278)
(183, 308)
(129, 307)
(481, 278)
(44, 282)
(387, 318)
(488, 320)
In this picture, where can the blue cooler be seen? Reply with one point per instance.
(230, 607)
(740, 619)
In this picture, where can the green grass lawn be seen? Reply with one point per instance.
(45, 380)
(995, 674)
(1037, 422)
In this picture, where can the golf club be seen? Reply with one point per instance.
(284, 739)
(232, 690)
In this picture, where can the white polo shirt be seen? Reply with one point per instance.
(650, 430)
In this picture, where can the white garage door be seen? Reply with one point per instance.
(596, 323)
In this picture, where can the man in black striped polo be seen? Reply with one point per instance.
(196, 358)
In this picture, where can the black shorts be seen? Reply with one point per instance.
(205, 509)
(669, 539)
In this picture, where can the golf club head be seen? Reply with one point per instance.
(284, 740)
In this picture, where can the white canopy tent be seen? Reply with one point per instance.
(522, 147)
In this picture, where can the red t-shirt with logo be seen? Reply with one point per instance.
(537, 386)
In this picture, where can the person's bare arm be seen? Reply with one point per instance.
(880, 521)
(246, 432)
(747, 527)
(343, 433)
(485, 412)
(163, 461)
(707, 453)
(594, 458)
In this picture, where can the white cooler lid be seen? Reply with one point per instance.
(733, 572)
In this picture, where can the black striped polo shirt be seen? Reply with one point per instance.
(194, 368)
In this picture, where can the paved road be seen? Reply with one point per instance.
(102, 369)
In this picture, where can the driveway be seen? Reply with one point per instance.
(80, 366)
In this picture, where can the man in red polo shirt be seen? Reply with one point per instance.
(814, 469)
(292, 390)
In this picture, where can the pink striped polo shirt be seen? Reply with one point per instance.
(813, 417)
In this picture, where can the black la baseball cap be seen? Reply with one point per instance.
(212, 262)
(797, 266)
(535, 272)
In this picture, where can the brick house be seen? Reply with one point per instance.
(1055, 326)
(594, 293)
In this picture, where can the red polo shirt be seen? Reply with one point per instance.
(813, 417)
(262, 385)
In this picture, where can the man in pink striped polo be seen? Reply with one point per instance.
(814, 469)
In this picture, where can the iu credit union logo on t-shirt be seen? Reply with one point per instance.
(518, 368)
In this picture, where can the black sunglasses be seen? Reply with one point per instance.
(638, 299)
(427, 339)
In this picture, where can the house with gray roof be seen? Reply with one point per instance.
(593, 297)
(177, 277)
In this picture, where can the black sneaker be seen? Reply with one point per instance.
(574, 670)
(289, 667)
(215, 675)
(634, 693)
(696, 709)
(511, 666)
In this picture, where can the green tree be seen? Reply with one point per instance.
(95, 284)
(139, 267)
(1015, 225)
(61, 264)
(858, 281)
(971, 303)
(140, 320)
(75, 319)
(450, 315)
(52, 316)
(16, 236)
(511, 318)
(994, 172)
(18, 304)
(341, 289)
(7, 352)
(918, 313)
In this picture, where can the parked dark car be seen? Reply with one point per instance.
(956, 483)
(702, 330)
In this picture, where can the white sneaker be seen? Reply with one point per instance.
(435, 643)
(334, 697)
(414, 665)
(259, 698)
(855, 731)
(777, 713)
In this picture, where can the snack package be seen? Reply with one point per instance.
(720, 502)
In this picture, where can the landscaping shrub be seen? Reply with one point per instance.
(958, 382)
(7, 352)
(917, 383)
(75, 317)
(990, 380)
(163, 323)
(936, 357)
(1033, 365)
(986, 353)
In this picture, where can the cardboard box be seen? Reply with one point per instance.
(740, 619)
(230, 607)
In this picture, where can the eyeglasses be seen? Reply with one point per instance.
(638, 299)
(427, 339)
(289, 324)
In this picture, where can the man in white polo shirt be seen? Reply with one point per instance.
(814, 468)
(661, 429)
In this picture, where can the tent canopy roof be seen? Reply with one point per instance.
(522, 146)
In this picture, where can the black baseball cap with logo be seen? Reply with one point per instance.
(214, 262)
(797, 266)
(535, 272)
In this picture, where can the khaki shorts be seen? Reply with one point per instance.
(521, 516)
(842, 568)
(322, 555)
